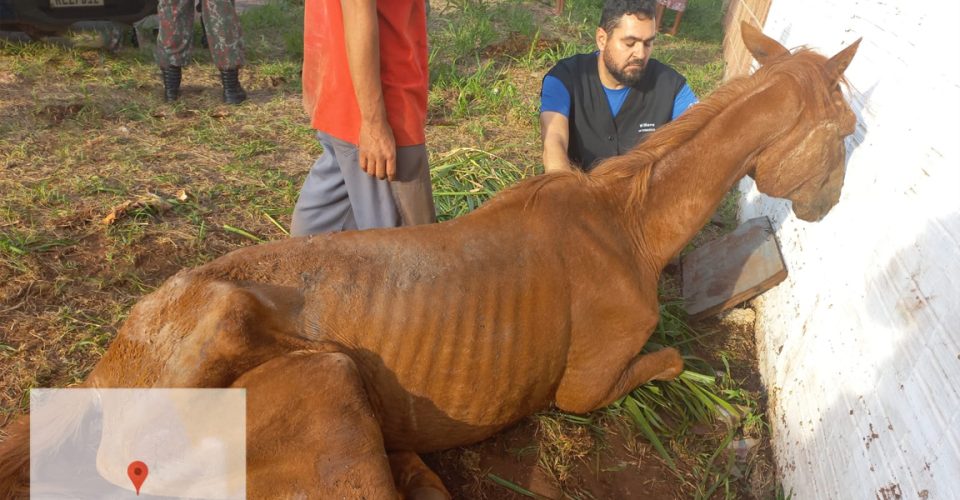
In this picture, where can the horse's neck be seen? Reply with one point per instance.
(689, 182)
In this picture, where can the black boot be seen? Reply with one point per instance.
(171, 83)
(233, 93)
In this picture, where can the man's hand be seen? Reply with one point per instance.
(378, 150)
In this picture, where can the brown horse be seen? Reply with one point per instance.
(360, 349)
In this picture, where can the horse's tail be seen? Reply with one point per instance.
(15, 461)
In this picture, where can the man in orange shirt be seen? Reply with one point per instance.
(365, 89)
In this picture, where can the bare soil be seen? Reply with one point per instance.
(612, 464)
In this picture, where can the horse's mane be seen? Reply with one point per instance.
(803, 66)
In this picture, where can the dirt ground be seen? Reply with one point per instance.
(613, 465)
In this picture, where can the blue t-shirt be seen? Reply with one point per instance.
(555, 97)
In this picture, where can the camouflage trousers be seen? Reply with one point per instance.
(175, 38)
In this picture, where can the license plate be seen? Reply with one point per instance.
(75, 3)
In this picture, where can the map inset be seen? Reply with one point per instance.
(137, 443)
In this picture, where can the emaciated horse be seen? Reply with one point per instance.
(361, 349)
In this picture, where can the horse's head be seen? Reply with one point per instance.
(806, 163)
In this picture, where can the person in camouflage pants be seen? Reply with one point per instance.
(175, 40)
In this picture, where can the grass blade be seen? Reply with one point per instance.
(708, 468)
(640, 419)
(275, 223)
(236, 230)
(512, 486)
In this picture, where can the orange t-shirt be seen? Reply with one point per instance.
(328, 95)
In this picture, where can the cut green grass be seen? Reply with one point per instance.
(466, 177)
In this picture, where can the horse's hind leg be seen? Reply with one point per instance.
(311, 432)
(414, 479)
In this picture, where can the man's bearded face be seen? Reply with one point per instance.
(627, 48)
(628, 72)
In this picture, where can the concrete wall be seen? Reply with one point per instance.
(860, 347)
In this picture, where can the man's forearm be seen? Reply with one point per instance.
(555, 158)
(362, 39)
(555, 133)
(376, 145)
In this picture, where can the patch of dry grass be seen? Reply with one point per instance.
(85, 132)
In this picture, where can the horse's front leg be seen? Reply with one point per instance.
(664, 364)
(312, 433)
(605, 361)
(605, 386)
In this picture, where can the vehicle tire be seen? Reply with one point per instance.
(36, 33)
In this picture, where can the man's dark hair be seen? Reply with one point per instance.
(613, 10)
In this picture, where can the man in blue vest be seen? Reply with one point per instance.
(597, 105)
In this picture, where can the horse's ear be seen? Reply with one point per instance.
(761, 46)
(838, 63)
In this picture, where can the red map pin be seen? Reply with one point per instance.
(137, 471)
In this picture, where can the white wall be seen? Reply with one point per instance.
(860, 346)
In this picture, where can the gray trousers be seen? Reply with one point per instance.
(337, 195)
